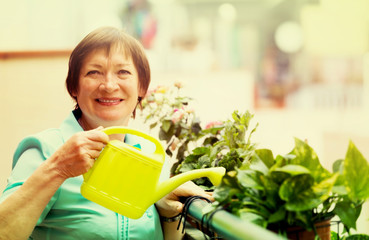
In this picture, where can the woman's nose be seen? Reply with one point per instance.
(109, 84)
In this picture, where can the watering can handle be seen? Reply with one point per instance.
(123, 130)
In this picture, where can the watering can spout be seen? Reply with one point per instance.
(214, 174)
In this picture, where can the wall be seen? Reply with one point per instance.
(53, 24)
(33, 98)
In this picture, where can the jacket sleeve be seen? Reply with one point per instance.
(30, 153)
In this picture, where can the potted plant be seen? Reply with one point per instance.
(226, 144)
(280, 193)
(218, 143)
(295, 190)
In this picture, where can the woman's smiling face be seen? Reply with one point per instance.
(108, 88)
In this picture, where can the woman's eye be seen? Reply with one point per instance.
(123, 72)
(93, 72)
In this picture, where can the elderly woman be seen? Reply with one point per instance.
(108, 76)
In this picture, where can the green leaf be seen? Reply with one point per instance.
(249, 178)
(200, 151)
(181, 151)
(204, 161)
(337, 166)
(258, 164)
(278, 215)
(153, 125)
(271, 191)
(166, 124)
(191, 158)
(298, 194)
(281, 161)
(334, 236)
(323, 189)
(188, 167)
(307, 157)
(230, 161)
(348, 213)
(227, 189)
(213, 130)
(246, 215)
(339, 189)
(166, 130)
(302, 194)
(266, 155)
(278, 177)
(356, 173)
(293, 169)
(210, 141)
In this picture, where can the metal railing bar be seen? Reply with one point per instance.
(229, 226)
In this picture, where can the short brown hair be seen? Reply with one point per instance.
(105, 38)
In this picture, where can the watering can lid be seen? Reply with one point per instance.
(152, 158)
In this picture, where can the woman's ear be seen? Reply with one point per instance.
(141, 94)
(74, 94)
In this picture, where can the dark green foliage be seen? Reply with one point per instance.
(295, 190)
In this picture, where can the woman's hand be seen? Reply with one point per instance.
(77, 155)
(170, 205)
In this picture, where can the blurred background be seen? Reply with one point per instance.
(301, 66)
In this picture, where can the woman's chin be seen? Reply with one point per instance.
(108, 121)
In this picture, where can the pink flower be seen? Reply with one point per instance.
(177, 115)
(178, 85)
(213, 124)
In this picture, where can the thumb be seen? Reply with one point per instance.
(99, 128)
(178, 206)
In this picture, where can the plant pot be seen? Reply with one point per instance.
(323, 229)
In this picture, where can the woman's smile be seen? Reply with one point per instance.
(109, 101)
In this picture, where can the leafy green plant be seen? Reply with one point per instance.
(227, 145)
(295, 189)
(219, 143)
(274, 192)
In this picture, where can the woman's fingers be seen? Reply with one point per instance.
(191, 189)
(96, 135)
(94, 154)
(77, 155)
(170, 204)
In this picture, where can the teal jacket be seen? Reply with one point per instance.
(69, 215)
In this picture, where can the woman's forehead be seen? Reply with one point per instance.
(108, 53)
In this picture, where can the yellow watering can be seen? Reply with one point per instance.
(126, 180)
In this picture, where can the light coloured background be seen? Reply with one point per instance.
(33, 96)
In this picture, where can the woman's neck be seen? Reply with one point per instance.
(86, 127)
(84, 124)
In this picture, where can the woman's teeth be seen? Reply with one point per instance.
(108, 101)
